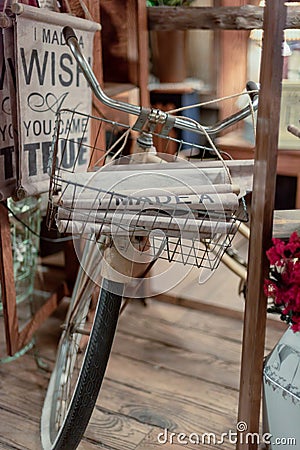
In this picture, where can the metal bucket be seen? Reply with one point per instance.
(281, 392)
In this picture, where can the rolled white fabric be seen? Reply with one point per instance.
(179, 181)
(121, 224)
(83, 202)
(163, 202)
(90, 186)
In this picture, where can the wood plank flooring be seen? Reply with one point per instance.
(171, 367)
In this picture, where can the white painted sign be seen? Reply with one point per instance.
(49, 79)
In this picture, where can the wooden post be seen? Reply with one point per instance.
(8, 290)
(261, 218)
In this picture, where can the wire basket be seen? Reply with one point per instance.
(177, 208)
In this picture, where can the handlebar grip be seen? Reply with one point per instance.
(294, 130)
(68, 33)
(251, 86)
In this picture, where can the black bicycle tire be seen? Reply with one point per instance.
(93, 368)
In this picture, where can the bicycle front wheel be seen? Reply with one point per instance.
(80, 367)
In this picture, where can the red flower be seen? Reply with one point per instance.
(276, 253)
(283, 284)
(295, 275)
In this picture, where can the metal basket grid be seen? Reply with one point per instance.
(78, 205)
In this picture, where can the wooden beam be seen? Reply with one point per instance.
(210, 308)
(246, 17)
(262, 217)
(41, 315)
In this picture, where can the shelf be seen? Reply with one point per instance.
(187, 86)
(285, 222)
(118, 89)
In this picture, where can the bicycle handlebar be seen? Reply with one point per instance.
(179, 122)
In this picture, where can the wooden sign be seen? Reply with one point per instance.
(48, 80)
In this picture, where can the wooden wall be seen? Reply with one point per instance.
(125, 43)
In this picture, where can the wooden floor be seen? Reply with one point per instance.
(171, 367)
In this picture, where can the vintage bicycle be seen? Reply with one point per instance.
(131, 207)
